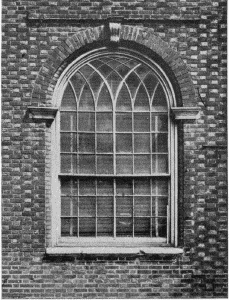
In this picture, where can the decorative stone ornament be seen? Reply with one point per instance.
(185, 113)
(115, 28)
(42, 114)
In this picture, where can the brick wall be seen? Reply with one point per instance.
(196, 30)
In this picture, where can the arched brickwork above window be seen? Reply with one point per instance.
(77, 44)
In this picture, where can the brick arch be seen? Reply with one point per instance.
(60, 57)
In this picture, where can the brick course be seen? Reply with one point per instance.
(190, 36)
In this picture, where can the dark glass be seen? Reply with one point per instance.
(124, 142)
(105, 227)
(104, 122)
(123, 101)
(105, 164)
(141, 143)
(87, 142)
(68, 101)
(86, 99)
(87, 206)
(86, 227)
(86, 121)
(104, 142)
(141, 122)
(124, 227)
(123, 122)
(105, 206)
(142, 100)
(142, 206)
(124, 164)
(142, 227)
(87, 187)
(86, 164)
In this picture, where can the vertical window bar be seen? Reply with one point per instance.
(71, 208)
(133, 206)
(114, 201)
(78, 209)
(151, 206)
(156, 210)
(96, 208)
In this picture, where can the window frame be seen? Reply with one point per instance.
(56, 239)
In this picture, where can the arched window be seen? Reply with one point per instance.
(116, 152)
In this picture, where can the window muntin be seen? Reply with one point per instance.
(114, 133)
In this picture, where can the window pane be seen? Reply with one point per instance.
(87, 206)
(142, 187)
(86, 99)
(105, 206)
(67, 121)
(159, 100)
(105, 227)
(104, 142)
(162, 227)
(68, 163)
(142, 143)
(68, 100)
(162, 163)
(123, 101)
(124, 227)
(162, 123)
(142, 206)
(87, 142)
(161, 186)
(124, 187)
(68, 142)
(65, 226)
(124, 142)
(87, 187)
(141, 122)
(162, 142)
(104, 122)
(114, 80)
(154, 142)
(65, 206)
(86, 121)
(95, 83)
(104, 100)
(124, 206)
(162, 206)
(105, 164)
(87, 227)
(142, 227)
(123, 122)
(132, 83)
(150, 83)
(87, 164)
(142, 164)
(142, 100)
(124, 164)
(105, 187)
(65, 186)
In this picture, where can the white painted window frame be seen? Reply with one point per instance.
(59, 244)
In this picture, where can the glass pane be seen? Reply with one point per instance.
(162, 142)
(162, 206)
(105, 164)
(159, 100)
(68, 163)
(68, 101)
(104, 100)
(123, 101)
(162, 187)
(104, 122)
(86, 99)
(78, 82)
(142, 206)
(86, 121)
(65, 142)
(133, 82)
(141, 122)
(154, 206)
(87, 164)
(105, 206)
(162, 163)
(142, 71)
(162, 227)
(87, 142)
(154, 142)
(87, 227)
(142, 164)
(65, 206)
(122, 70)
(105, 70)
(75, 207)
(124, 227)
(87, 187)
(142, 100)
(95, 83)
(142, 227)
(87, 206)
(104, 142)
(124, 122)
(65, 186)
(65, 226)
(162, 123)
(124, 164)
(150, 82)
(67, 121)
(68, 142)
(86, 71)
(124, 187)
(142, 187)
(105, 227)
(124, 142)
(142, 143)
(105, 187)
(153, 122)
(124, 206)
(114, 80)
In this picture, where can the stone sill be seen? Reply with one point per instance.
(114, 250)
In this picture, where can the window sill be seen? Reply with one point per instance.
(114, 250)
